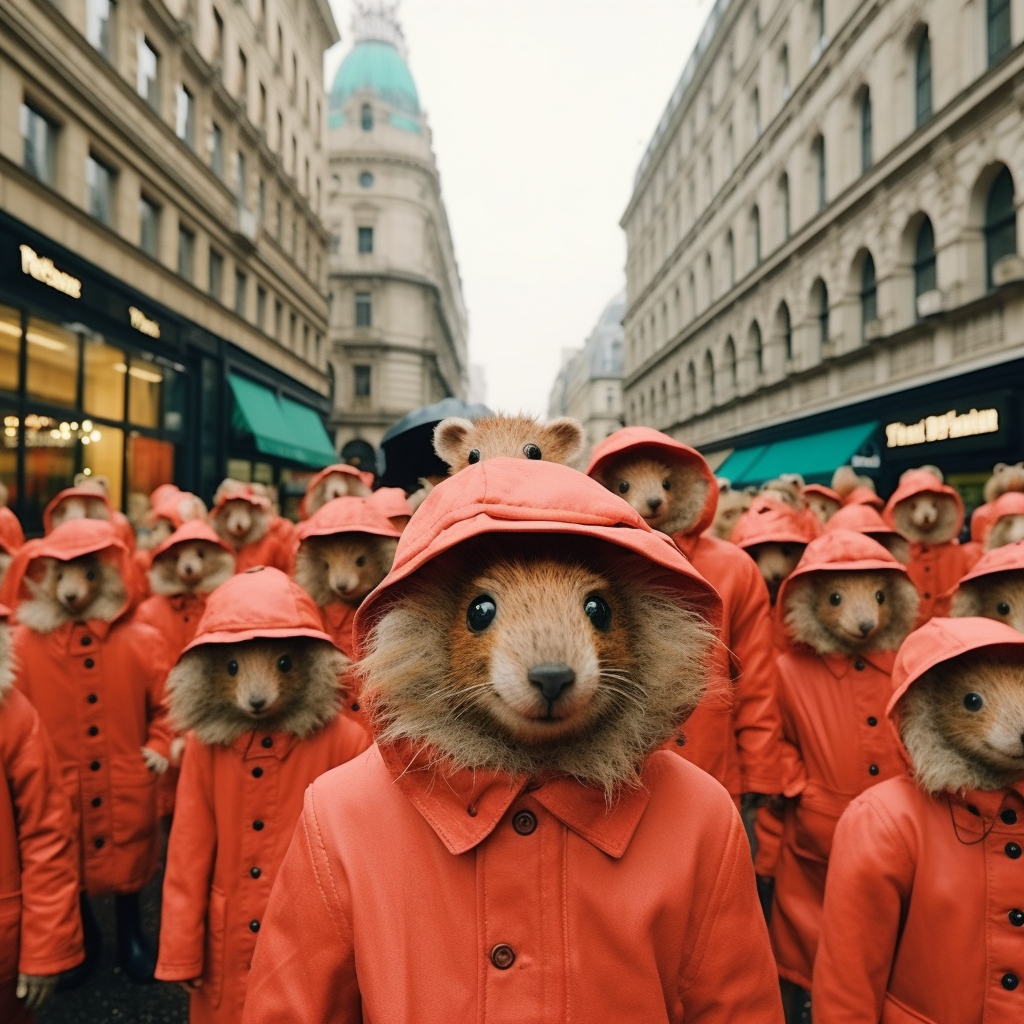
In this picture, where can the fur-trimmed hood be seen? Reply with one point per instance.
(769, 521)
(366, 479)
(922, 481)
(241, 493)
(91, 493)
(641, 441)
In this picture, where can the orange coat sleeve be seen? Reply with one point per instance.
(51, 929)
(189, 872)
(304, 968)
(870, 874)
(158, 661)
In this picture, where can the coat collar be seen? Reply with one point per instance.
(251, 746)
(840, 665)
(464, 807)
(976, 809)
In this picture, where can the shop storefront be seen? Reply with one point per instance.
(97, 379)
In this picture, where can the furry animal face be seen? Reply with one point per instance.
(775, 562)
(788, 489)
(343, 567)
(191, 567)
(823, 508)
(852, 611)
(159, 532)
(73, 591)
(963, 723)
(999, 595)
(462, 443)
(335, 485)
(731, 506)
(534, 663)
(240, 522)
(79, 508)
(926, 517)
(1004, 478)
(671, 498)
(1007, 530)
(286, 685)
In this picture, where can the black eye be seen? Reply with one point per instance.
(531, 451)
(624, 487)
(973, 702)
(1003, 608)
(284, 663)
(835, 599)
(60, 576)
(361, 561)
(232, 668)
(597, 610)
(201, 554)
(880, 596)
(473, 457)
(481, 613)
(90, 575)
(667, 484)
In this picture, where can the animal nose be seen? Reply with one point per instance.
(865, 627)
(257, 703)
(654, 504)
(551, 680)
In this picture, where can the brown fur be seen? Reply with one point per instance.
(335, 485)
(823, 508)
(190, 567)
(428, 678)
(787, 488)
(897, 546)
(79, 508)
(206, 698)
(7, 663)
(954, 749)
(1007, 530)
(845, 480)
(670, 496)
(73, 591)
(455, 439)
(1004, 478)
(775, 562)
(344, 566)
(859, 623)
(731, 505)
(5, 564)
(926, 517)
(240, 522)
(997, 595)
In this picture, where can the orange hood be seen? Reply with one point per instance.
(646, 441)
(822, 491)
(1008, 558)
(365, 478)
(242, 494)
(920, 481)
(986, 516)
(260, 602)
(194, 529)
(11, 534)
(862, 519)
(346, 515)
(769, 521)
(513, 496)
(73, 492)
(391, 502)
(864, 496)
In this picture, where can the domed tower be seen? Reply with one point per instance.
(397, 321)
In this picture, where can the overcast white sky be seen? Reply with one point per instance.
(540, 111)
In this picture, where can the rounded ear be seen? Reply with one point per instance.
(844, 480)
(568, 434)
(450, 438)
(1000, 467)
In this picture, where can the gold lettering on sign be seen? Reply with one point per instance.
(42, 269)
(143, 323)
(945, 427)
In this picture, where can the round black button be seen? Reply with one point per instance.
(1010, 981)
(872, 721)
(94, 766)
(524, 822)
(974, 810)
(1016, 918)
(859, 665)
(267, 742)
(680, 741)
(255, 872)
(257, 772)
(355, 706)
(927, 596)
(96, 801)
(86, 640)
(94, 730)
(872, 769)
(98, 842)
(1013, 851)
(89, 663)
(258, 825)
(503, 956)
(1009, 816)
(92, 698)
(254, 926)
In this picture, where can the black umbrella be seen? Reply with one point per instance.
(406, 451)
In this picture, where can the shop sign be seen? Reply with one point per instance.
(944, 427)
(42, 269)
(143, 323)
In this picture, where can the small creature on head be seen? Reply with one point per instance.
(462, 443)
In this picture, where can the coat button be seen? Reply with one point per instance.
(525, 822)
(94, 766)
(94, 730)
(96, 801)
(1016, 918)
(1013, 851)
(355, 705)
(1010, 981)
(254, 926)
(258, 825)
(1009, 816)
(859, 665)
(973, 810)
(503, 956)
(257, 772)
(872, 769)
(267, 742)
(86, 640)
(680, 741)
(98, 842)
(92, 698)
(927, 596)
(89, 663)
(255, 872)
(872, 721)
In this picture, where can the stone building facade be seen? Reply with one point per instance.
(823, 233)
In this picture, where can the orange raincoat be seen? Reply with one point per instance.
(236, 809)
(734, 734)
(923, 915)
(540, 902)
(365, 478)
(98, 687)
(274, 548)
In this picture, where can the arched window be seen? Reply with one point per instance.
(709, 375)
(755, 234)
(730, 365)
(691, 389)
(664, 400)
(691, 287)
(865, 132)
(784, 199)
(1000, 223)
(998, 23)
(868, 294)
(924, 259)
(821, 311)
(818, 149)
(756, 349)
(730, 259)
(786, 332)
(923, 80)
(366, 117)
(677, 395)
(709, 274)
(643, 411)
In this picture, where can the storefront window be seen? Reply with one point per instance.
(103, 455)
(10, 343)
(150, 464)
(52, 363)
(49, 463)
(145, 382)
(104, 380)
(9, 453)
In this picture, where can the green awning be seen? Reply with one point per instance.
(815, 457)
(279, 426)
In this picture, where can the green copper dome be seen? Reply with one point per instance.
(377, 67)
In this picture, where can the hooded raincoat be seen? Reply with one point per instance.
(274, 548)
(734, 734)
(833, 713)
(120, 522)
(11, 534)
(934, 568)
(365, 478)
(411, 893)
(98, 686)
(40, 926)
(923, 907)
(237, 805)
